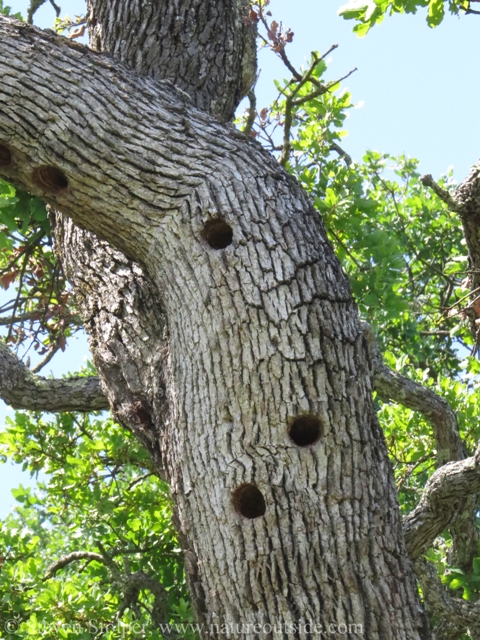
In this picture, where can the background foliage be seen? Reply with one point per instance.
(368, 13)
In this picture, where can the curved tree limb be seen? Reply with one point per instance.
(155, 136)
(466, 202)
(21, 389)
(446, 494)
(391, 385)
(68, 559)
(444, 195)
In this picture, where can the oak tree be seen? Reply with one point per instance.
(222, 326)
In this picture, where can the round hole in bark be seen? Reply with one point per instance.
(5, 156)
(50, 178)
(305, 430)
(218, 234)
(248, 501)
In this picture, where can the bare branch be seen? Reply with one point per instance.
(21, 389)
(48, 356)
(56, 7)
(34, 6)
(446, 495)
(251, 112)
(343, 154)
(68, 559)
(33, 316)
(130, 584)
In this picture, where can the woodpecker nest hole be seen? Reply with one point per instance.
(249, 501)
(50, 179)
(5, 156)
(218, 234)
(305, 430)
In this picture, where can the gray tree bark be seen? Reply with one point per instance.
(228, 340)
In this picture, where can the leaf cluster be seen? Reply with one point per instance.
(368, 13)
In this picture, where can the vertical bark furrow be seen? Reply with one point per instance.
(130, 349)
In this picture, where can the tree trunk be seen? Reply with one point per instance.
(234, 351)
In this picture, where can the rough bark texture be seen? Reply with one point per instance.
(179, 41)
(126, 325)
(467, 201)
(261, 332)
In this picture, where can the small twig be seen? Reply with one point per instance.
(34, 6)
(410, 471)
(139, 479)
(39, 366)
(321, 90)
(461, 300)
(288, 64)
(435, 333)
(23, 269)
(360, 267)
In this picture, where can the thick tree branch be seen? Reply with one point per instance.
(468, 196)
(466, 202)
(212, 56)
(95, 117)
(446, 495)
(130, 584)
(21, 389)
(124, 317)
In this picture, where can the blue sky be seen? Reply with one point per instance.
(418, 86)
